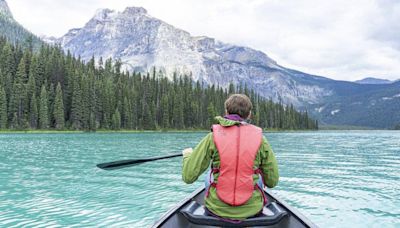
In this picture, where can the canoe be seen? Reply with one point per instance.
(191, 213)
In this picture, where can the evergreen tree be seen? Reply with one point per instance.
(51, 94)
(8, 67)
(31, 86)
(127, 114)
(33, 114)
(165, 112)
(178, 111)
(18, 106)
(76, 107)
(59, 108)
(116, 119)
(43, 109)
(3, 108)
(211, 113)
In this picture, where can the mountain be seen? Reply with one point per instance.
(142, 42)
(13, 31)
(376, 106)
(373, 81)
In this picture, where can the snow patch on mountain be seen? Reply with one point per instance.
(49, 39)
(320, 109)
(335, 111)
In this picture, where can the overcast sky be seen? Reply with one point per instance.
(340, 39)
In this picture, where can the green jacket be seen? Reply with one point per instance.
(206, 152)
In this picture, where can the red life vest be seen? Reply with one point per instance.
(237, 148)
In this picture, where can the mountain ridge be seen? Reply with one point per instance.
(371, 80)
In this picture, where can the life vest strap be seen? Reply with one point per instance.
(215, 170)
(212, 184)
(260, 172)
(265, 201)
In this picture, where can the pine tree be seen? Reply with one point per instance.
(76, 107)
(51, 94)
(33, 112)
(211, 114)
(3, 108)
(18, 106)
(127, 114)
(178, 111)
(21, 74)
(116, 119)
(92, 122)
(59, 109)
(165, 112)
(31, 86)
(43, 109)
(147, 117)
(8, 66)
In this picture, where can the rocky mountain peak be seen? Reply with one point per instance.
(135, 11)
(102, 14)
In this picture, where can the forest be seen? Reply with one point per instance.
(50, 89)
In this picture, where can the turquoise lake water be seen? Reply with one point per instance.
(336, 178)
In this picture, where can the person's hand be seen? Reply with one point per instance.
(187, 151)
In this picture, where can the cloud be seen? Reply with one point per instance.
(346, 40)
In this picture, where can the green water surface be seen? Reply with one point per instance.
(336, 178)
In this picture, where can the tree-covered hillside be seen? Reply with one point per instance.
(13, 31)
(50, 90)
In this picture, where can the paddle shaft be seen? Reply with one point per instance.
(132, 162)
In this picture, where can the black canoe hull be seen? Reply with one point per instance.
(174, 219)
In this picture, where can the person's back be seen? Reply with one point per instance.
(239, 156)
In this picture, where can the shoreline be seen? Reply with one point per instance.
(131, 131)
(166, 131)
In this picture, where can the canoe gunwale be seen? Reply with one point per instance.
(178, 206)
(292, 211)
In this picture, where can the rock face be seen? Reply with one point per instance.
(142, 42)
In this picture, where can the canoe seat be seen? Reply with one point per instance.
(196, 214)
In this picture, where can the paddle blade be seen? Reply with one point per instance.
(119, 164)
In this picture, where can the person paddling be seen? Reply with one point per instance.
(241, 159)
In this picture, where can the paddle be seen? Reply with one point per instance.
(132, 162)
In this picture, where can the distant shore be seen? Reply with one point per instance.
(128, 131)
(53, 131)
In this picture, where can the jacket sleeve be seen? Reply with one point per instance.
(198, 161)
(269, 165)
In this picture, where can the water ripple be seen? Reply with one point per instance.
(337, 179)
